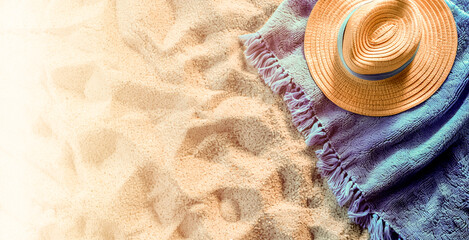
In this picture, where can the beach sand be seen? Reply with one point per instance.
(150, 124)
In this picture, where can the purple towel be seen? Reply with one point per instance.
(403, 176)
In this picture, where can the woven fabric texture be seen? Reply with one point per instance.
(403, 176)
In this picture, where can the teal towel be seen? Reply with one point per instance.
(404, 176)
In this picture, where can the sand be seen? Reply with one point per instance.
(142, 120)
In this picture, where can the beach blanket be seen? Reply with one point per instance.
(402, 177)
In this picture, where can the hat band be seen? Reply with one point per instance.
(371, 77)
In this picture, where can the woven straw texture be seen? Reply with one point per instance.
(380, 37)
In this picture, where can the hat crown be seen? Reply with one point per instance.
(382, 36)
(383, 33)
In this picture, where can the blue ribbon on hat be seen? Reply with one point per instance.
(371, 77)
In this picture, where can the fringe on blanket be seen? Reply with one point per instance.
(329, 164)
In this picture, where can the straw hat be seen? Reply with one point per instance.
(380, 57)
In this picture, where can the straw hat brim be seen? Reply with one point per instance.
(415, 84)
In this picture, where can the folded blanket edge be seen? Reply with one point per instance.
(344, 188)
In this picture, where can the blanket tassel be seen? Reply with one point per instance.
(303, 117)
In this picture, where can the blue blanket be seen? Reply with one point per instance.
(403, 176)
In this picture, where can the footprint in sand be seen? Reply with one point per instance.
(84, 80)
(320, 233)
(282, 221)
(239, 204)
(292, 182)
(191, 227)
(97, 145)
(137, 20)
(148, 98)
(250, 134)
(229, 210)
(73, 77)
(168, 201)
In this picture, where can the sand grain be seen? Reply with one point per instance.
(154, 127)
